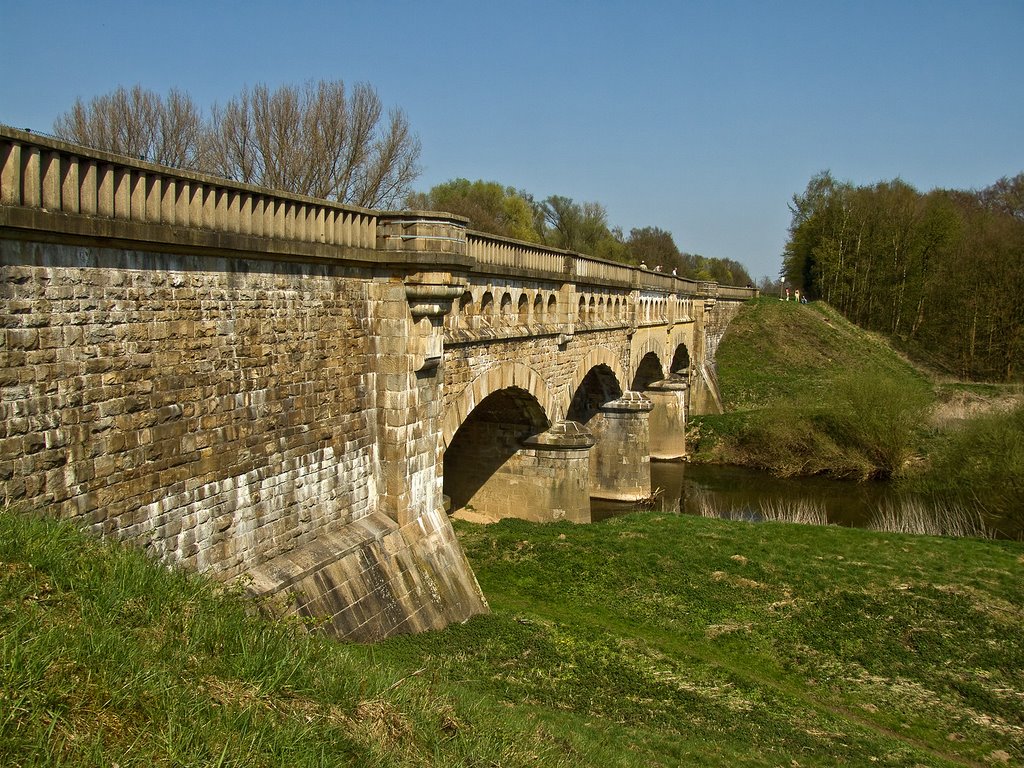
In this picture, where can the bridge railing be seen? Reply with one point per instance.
(505, 252)
(52, 175)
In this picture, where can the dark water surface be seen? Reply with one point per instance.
(738, 488)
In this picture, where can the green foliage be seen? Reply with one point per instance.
(488, 205)
(817, 396)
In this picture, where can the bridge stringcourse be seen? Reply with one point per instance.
(298, 393)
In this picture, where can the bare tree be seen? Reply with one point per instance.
(138, 123)
(316, 140)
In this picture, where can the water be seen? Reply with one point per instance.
(738, 488)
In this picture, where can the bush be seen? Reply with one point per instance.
(878, 416)
(982, 464)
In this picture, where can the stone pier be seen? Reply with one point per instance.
(668, 419)
(620, 462)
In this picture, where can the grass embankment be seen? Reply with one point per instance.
(806, 392)
(649, 640)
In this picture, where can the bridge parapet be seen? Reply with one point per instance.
(51, 176)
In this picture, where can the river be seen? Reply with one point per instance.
(689, 487)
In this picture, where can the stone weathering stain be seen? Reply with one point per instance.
(287, 390)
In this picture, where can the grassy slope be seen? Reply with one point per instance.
(780, 351)
(648, 640)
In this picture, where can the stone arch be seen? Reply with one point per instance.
(486, 305)
(476, 462)
(581, 315)
(596, 357)
(649, 346)
(503, 376)
(506, 304)
(680, 360)
(538, 307)
(552, 312)
(681, 337)
(523, 310)
(649, 369)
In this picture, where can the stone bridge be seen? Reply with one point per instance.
(297, 393)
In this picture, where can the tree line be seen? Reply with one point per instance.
(941, 272)
(326, 140)
(561, 222)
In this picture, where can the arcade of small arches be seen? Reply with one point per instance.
(484, 305)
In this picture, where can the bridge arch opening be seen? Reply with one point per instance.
(582, 314)
(485, 445)
(680, 360)
(523, 309)
(538, 308)
(647, 372)
(552, 313)
(598, 387)
(506, 304)
(487, 305)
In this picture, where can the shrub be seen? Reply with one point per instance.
(982, 464)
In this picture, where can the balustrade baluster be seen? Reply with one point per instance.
(174, 201)
(105, 190)
(154, 198)
(137, 197)
(49, 178)
(10, 173)
(70, 189)
(31, 194)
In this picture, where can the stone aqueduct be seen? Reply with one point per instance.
(291, 391)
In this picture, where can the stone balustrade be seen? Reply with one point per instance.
(53, 176)
(491, 250)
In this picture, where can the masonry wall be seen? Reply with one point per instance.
(218, 411)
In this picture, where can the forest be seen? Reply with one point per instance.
(941, 273)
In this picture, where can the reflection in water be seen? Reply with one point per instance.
(685, 487)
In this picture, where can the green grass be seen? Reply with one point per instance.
(720, 643)
(649, 640)
(980, 463)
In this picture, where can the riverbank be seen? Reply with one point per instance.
(808, 393)
(647, 640)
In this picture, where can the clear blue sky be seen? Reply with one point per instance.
(702, 118)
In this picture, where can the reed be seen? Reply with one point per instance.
(802, 511)
(929, 518)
